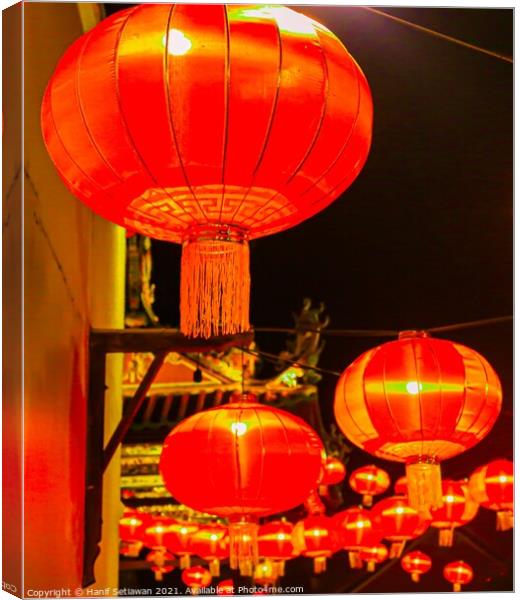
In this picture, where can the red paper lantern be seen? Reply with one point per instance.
(334, 471)
(155, 530)
(458, 509)
(319, 538)
(373, 555)
(226, 587)
(416, 563)
(401, 486)
(275, 542)
(357, 530)
(492, 486)
(266, 573)
(196, 578)
(131, 531)
(241, 460)
(158, 558)
(458, 573)
(369, 481)
(399, 522)
(211, 543)
(418, 400)
(177, 539)
(218, 124)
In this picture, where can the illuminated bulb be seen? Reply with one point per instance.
(316, 532)
(370, 476)
(238, 428)
(159, 529)
(178, 43)
(134, 522)
(399, 510)
(213, 537)
(281, 536)
(502, 478)
(413, 387)
(360, 524)
(184, 531)
(450, 499)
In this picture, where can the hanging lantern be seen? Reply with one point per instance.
(416, 563)
(399, 522)
(226, 587)
(178, 540)
(373, 555)
(159, 558)
(418, 400)
(334, 472)
(254, 459)
(219, 124)
(131, 531)
(401, 486)
(265, 573)
(492, 486)
(211, 543)
(458, 509)
(458, 573)
(357, 530)
(319, 539)
(275, 542)
(154, 531)
(369, 481)
(196, 578)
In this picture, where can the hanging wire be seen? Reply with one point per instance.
(469, 324)
(274, 358)
(442, 36)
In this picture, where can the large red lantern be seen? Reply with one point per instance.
(399, 522)
(492, 486)
(209, 126)
(357, 530)
(458, 509)
(242, 461)
(458, 573)
(369, 481)
(319, 538)
(275, 542)
(211, 543)
(418, 400)
(416, 563)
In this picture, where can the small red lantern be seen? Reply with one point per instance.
(401, 486)
(418, 400)
(266, 573)
(399, 522)
(254, 459)
(159, 558)
(196, 578)
(458, 509)
(458, 573)
(177, 539)
(211, 543)
(206, 137)
(154, 531)
(369, 481)
(131, 531)
(226, 587)
(130, 549)
(275, 542)
(492, 486)
(373, 555)
(357, 530)
(334, 471)
(319, 538)
(416, 563)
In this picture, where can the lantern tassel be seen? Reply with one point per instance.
(184, 561)
(446, 537)
(371, 566)
(423, 477)
(215, 283)
(243, 546)
(457, 587)
(505, 520)
(279, 568)
(320, 564)
(214, 567)
(367, 500)
(396, 549)
(416, 577)
(354, 560)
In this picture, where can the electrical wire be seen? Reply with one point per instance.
(275, 359)
(442, 36)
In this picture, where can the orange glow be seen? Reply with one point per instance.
(416, 563)
(369, 481)
(458, 573)
(334, 471)
(492, 486)
(196, 577)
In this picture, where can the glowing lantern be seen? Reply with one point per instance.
(159, 558)
(458, 509)
(226, 587)
(196, 578)
(155, 530)
(254, 459)
(275, 542)
(334, 471)
(399, 522)
(418, 400)
(373, 555)
(131, 530)
(266, 573)
(492, 486)
(417, 564)
(401, 487)
(319, 538)
(357, 530)
(177, 539)
(219, 124)
(458, 573)
(369, 481)
(211, 543)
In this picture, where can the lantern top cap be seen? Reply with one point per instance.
(413, 333)
(243, 397)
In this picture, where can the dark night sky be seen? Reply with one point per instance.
(424, 236)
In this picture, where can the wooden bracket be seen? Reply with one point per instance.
(159, 342)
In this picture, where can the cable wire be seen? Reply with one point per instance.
(442, 36)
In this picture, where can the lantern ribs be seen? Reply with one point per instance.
(159, 342)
